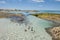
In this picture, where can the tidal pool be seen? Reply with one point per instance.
(13, 31)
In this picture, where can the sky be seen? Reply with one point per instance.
(30, 4)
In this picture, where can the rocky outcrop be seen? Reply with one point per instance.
(54, 32)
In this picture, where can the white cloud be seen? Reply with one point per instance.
(57, 0)
(2, 2)
(38, 0)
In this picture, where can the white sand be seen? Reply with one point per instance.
(13, 31)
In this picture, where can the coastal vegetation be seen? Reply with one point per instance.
(48, 16)
(5, 14)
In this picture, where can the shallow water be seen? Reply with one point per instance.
(13, 31)
(40, 22)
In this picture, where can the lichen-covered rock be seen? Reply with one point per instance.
(55, 33)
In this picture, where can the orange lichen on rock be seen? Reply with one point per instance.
(55, 33)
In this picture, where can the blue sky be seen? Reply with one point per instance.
(30, 4)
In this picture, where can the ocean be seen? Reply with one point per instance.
(39, 11)
(50, 11)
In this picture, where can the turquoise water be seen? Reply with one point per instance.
(40, 22)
